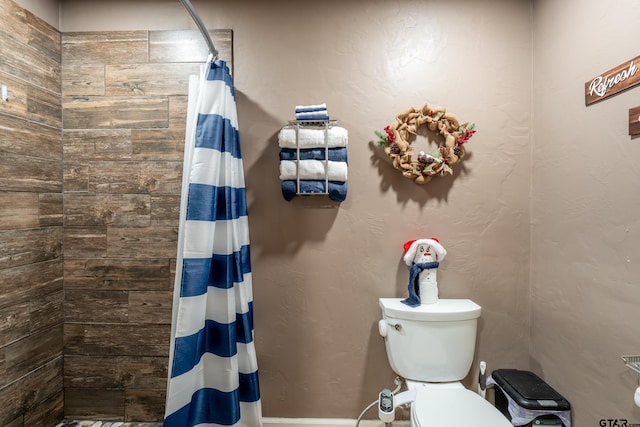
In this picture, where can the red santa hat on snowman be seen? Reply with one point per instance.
(411, 247)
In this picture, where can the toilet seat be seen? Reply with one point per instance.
(454, 407)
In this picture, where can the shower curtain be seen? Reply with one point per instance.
(213, 372)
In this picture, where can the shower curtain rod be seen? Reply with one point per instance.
(196, 18)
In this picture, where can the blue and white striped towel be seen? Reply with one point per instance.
(311, 108)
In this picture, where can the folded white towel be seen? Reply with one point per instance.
(307, 108)
(313, 169)
(312, 138)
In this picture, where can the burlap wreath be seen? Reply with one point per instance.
(421, 169)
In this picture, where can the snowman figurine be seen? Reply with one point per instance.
(423, 256)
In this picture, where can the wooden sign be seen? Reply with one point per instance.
(634, 121)
(613, 81)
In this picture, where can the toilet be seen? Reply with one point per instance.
(431, 347)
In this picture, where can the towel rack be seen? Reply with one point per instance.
(326, 124)
(196, 18)
(633, 363)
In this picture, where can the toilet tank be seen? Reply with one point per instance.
(431, 342)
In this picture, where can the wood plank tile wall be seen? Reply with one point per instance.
(31, 265)
(124, 111)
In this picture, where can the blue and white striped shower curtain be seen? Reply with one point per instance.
(213, 372)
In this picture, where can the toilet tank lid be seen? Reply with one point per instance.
(443, 310)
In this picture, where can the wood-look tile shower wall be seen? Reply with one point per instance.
(124, 109)
(31, 289)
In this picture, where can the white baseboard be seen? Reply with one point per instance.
(326, 422)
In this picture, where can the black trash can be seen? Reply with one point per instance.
(533, 399)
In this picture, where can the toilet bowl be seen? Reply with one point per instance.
(431, 347)
(453, 405)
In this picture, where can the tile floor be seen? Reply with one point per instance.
(87, 423)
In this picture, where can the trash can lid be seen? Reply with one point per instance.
(529, 391)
